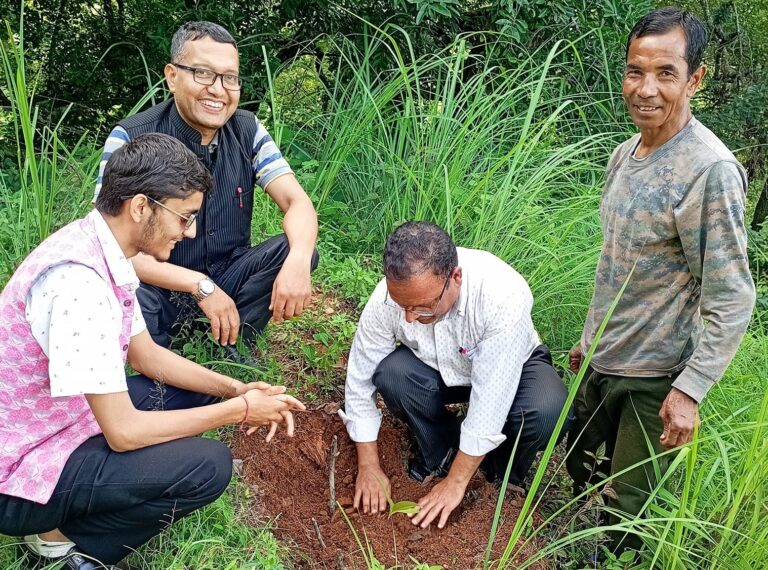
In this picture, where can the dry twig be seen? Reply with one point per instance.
(317, 530)
(332, 474)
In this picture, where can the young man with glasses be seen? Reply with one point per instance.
(93, 463)
(233, 283)
(448, 325)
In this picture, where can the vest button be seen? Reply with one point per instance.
(211, 233)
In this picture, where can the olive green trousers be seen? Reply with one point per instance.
(623, 414)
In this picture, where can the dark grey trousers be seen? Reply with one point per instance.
(111, 503)
(247, 279)
(416, 393)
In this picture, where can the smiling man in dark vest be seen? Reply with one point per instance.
(233, 283)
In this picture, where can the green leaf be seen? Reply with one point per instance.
(407, 507)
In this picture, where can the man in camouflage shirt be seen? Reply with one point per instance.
(672, 209)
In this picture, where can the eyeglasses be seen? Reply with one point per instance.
(428, 314)
(207, 77)
(188, 220)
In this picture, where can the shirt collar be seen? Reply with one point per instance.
(188, 132)
(119, 266)
(460, 306)
(214, 144)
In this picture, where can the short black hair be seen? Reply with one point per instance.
(192, 31)
(416, 248)
(153, 164)
(663, 21)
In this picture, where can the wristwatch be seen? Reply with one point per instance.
(205, 288)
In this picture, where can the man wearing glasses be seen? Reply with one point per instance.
(94, 463)
(233, 283)
(448, 325)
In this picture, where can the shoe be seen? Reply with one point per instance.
(45, 548)
(76, 560)
(418, 470)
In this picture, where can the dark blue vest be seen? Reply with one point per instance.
(224, 221)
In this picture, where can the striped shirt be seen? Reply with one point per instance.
(267, 160)
(244, 156)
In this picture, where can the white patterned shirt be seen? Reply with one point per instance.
(482, 342)
(77, 320)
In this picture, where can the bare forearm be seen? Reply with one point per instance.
(170, 368)
(165, 275)
(367, 454)
(151, 428)
(464, 466)
(300, 226)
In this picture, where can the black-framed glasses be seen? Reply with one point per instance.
(205, 76)
(188, 220)
(428, 314)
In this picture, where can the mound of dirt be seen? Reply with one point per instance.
(290, 480)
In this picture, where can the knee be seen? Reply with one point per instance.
(284, 248)
(548, 412)
(149, 299)
(216, 467)
(390, 373)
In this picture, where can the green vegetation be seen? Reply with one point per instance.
(503, 146)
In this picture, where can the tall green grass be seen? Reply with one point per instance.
(52, 179)
(53, 182)
(508, 159)
(511, 160)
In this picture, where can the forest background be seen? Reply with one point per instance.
(493, 118)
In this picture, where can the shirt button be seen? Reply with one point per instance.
(127, 303)
(125, 347)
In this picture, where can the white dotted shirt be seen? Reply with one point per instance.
(77, 319)
(482, 342)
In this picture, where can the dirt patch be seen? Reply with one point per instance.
(291, 488)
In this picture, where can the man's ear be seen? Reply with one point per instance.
(457, 276)
(138, 208)
(694, 82)
(171, 74)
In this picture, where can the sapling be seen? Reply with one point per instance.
(406, 507)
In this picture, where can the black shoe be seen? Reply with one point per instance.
(76, 560)
(418, 470)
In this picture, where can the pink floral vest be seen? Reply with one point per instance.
(38, 433)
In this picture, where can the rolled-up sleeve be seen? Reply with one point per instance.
(374, 340)
(497, 363)
(268, 162)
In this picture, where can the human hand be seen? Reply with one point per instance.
(372, 489)
(679, 414)
(575, 358)
(222, 312)
(292, 291)
(444, 497)
(238, 388)
(274, 409)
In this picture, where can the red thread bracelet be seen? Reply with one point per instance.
(245, 417)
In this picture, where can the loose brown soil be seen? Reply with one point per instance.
(290, 481)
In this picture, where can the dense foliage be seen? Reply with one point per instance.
(494, 119)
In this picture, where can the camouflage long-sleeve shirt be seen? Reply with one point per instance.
(678, 213)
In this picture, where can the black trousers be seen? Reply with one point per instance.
(247, 279)
(416, 393)
(111, 503)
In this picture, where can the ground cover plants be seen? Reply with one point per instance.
(509, 159)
